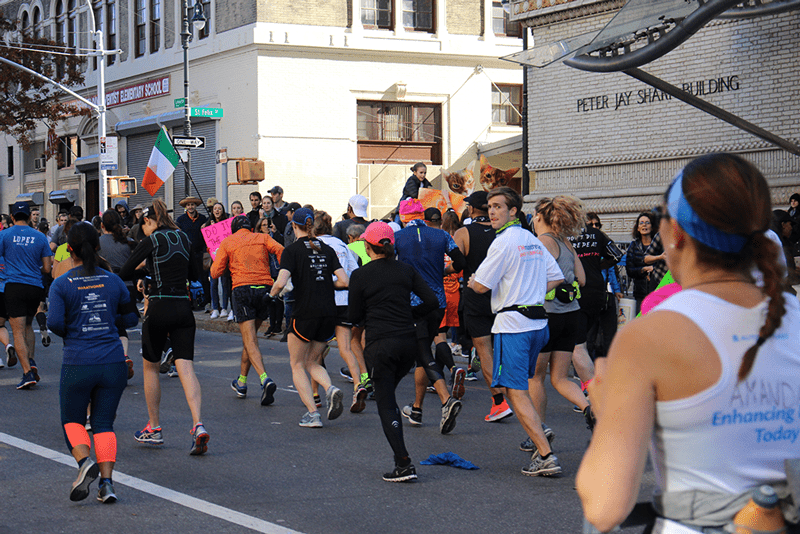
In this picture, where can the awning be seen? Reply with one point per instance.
(63, 196)
(35, 198)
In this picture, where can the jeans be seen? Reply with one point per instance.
(226, 293)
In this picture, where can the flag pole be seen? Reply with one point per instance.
(186, 170)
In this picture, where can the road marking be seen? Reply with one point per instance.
(214, 510)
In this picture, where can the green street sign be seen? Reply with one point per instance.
(206, 112)
(180, 102)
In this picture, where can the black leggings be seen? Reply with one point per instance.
(388, 361)
(427, 328)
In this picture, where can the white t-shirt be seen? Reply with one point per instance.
(517, 269)
(347, 259)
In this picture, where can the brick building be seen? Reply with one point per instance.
(335, 97)
(616, 142)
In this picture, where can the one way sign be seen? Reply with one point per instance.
(189, 142)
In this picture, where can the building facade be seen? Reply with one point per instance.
(336, 98)
(617, 143)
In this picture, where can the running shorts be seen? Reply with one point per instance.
(251, 303)
(22, 300)
(320, 329)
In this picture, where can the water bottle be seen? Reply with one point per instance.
(761, 515)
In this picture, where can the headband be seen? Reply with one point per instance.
(680, 210)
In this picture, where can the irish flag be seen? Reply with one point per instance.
(163, 161)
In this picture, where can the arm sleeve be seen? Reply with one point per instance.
(421, 289)
(455, 254)
(355, 300)
(56, 318)
(139, 254)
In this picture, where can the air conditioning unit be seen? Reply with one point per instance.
(39, 164)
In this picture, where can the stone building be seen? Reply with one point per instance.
(617, 143)
(336, 97)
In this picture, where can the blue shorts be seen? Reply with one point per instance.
(515, 357)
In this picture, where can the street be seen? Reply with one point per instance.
(264, 473)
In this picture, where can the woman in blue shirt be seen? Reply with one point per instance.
(85, 304)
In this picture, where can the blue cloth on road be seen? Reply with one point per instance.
(449, 458)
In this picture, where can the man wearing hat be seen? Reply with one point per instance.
(191, 222)
(277, 200)
(473, 240)
(27, 255)
(356, 214)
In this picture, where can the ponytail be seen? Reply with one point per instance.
(309, 228)
(83, 243)
(765, 253)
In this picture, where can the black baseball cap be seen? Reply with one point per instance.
(478, 200)
(433, 215)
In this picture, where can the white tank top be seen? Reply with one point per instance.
(732, 436)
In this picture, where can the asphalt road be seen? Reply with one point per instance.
(265, 473)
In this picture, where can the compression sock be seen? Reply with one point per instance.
(243, 379)
(263, 377)
(105, 447)
(76, 435)
(41, 318)
(497, 399)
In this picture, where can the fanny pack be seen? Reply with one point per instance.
(531, 311)
(564, 292)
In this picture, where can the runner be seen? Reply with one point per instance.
(85, 306)
(312, 265)
(169, 313)
(11, 352)
(519, 271)
(474, 240)
(380, 298)
(27, 255)
(424, 248)
(247, 255)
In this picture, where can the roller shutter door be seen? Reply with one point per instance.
(204, 166)
(139, 148)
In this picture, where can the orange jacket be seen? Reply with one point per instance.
(247, 255)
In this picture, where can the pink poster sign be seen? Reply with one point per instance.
(214, 234)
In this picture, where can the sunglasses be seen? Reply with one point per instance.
(595, 225)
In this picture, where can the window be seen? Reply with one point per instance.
(61, 36)
(72, 25)
(69, 148)
(377, 14)
(399, 132)
(37, 22)
(505, 98)
(98, 17)
(155, 25)
(141, 28)
(111, 28)
(10, 161)
(34, 159)
(206, 31)
(501, 24)
(418, 15)
(26, 22)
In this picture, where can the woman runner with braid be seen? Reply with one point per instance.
(85, 305)
(689, 377)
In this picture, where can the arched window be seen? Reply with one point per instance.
(26, 22)
(61, 23)
(72, 25)
(37, 22)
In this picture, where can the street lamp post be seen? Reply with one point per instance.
(199, 22)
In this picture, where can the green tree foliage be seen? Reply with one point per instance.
(25, 100)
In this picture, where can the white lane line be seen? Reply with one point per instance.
(220, 512)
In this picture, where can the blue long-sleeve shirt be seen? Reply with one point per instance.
(84, 310)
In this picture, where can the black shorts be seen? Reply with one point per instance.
(478, 325)
(585, 321)
(563, 331)
(171, 318)
(22, 300)
(341, 317)
(428, 326)
(251, 303)
(3, 312)
(320, 329)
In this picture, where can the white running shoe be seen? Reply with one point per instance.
(230, 316)
(214, 314)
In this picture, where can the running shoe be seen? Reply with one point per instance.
(166, 361)
(334, 398)
(344, 372)
(311, 420)
(359, 400)
(173, 372)
(268, 389)
(450, 411)
(129, 363)
(199, 440)
(230, 316)
(588, 415)
(471, 376)
(455, 349)
(149, 435)
(414, 415)
(45, 338)
(499, 411)
(317, 400)
(458, 383)
(1, 363)
(529, 446)
(88, 425)
(214, 315)
(576, 409)
(430, 389)
(34, 369)
(474, 361)
(369, 387)
(401, 474)
(28, 380)
(241, 390)
(106, 493)
(86, 475)
(11, 352)
(540, 467)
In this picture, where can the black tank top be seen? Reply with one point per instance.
(480, 238)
